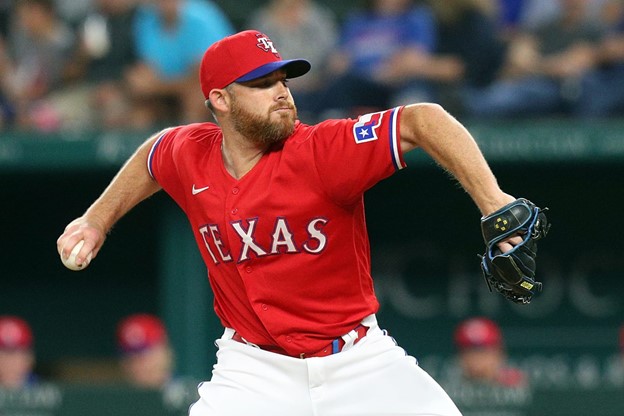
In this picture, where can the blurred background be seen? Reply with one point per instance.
(539, 83)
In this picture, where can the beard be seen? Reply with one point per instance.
(262, 130)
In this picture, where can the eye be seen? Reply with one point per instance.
(265, 83)
(270, 82)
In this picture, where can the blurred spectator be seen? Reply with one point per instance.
(17, 358)
(603, 90)
(73, 12)
(481, 380)
(467, 31)
(544, 69)
(536, 13)
(171, 37)
(385, 58)
(104, 53)
(147, 357)
(33, 64)
(300, 28)
(482, 355)
(509, 13)
(147, 360)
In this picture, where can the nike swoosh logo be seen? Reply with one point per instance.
(195, 191)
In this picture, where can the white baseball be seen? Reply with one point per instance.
(70, 262)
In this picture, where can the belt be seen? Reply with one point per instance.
(333, 347)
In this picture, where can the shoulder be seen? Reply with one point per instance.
(183, 147)
(200, 134)
(328, 128)
(335, 133)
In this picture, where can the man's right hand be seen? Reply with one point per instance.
(81, 229)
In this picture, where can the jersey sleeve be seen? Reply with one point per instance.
(162, 163)
(352, 155)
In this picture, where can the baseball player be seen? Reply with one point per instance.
(276, 208)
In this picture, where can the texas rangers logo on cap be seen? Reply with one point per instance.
(266, 45)
(365, 130)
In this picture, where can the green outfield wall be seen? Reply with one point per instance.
(425, 239)
(106, 400)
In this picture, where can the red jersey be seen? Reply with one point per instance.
(286, 245)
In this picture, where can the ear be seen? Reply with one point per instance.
(219, 100)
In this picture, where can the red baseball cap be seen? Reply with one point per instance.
(478, 333)
(139, 332)
(15, 333)
(242, 57)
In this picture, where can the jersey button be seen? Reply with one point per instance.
(289, 339)
(234, 211)
(264, 307)
(249, 269)
(235, 191)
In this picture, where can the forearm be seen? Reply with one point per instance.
(131, 185)
(449, 143)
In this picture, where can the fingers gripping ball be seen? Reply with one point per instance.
(70, 262)
(513, 273)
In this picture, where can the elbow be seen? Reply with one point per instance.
(418, 120)
(424, 111)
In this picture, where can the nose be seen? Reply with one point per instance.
(282, 90)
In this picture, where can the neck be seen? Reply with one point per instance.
(240, 155)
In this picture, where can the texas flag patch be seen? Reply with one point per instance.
(365, 129)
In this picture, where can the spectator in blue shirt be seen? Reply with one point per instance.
(384, 58)
(171, 37)
(603, 90)
(544, 69)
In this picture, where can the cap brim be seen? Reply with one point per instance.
(294, 68)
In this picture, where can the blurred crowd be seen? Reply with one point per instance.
(145, 354)
(480, 367)
(132, 64)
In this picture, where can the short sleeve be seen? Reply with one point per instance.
(353, 155)
(161, 162)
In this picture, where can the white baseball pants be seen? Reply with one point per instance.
(374, 377)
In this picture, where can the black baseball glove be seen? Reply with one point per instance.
(513, 273)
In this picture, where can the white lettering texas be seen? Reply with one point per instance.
(281, 240)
